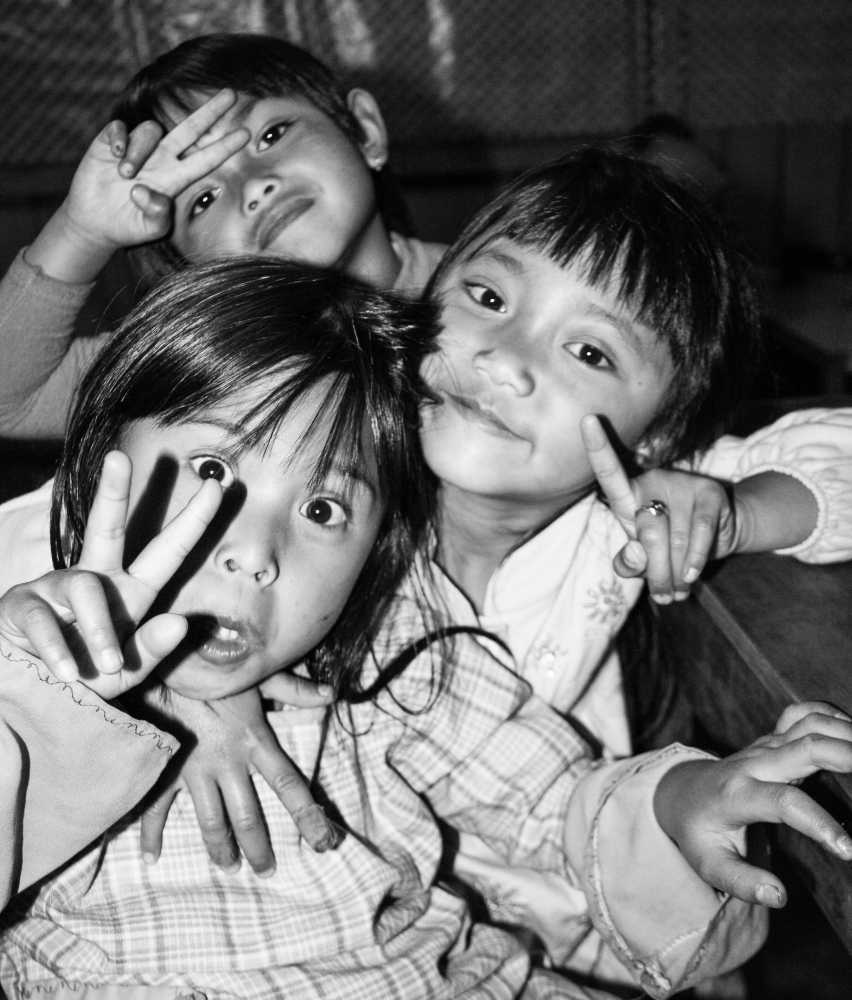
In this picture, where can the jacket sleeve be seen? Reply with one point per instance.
(42, 362)
(71, 766)
(814, 446)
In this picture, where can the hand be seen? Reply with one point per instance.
(669, 549)
(232, 741)
(83, 621)
(115, 202)
(706, 805)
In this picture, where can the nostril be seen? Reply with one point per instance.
(269, 188)
(252, 205)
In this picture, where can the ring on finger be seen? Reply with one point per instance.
(656, 508)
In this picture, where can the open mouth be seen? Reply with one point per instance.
(280, 217)
(221, 640)
(471, 409)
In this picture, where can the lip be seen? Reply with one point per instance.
(281, 215)
(221, 640)
(481, 415)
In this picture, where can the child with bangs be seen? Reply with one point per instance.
(278, 405)
(238, 144)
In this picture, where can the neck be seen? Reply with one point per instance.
(372, 259)
(477, 532)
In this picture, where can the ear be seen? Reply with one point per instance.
(374, 144)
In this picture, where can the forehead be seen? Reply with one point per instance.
(248, 111)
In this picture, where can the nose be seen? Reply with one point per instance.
(257, 191)
(248, 553)
(507, 366)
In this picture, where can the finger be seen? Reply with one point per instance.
(88, 602)
(652, 531)
(187, 132)
(284, 778)
(726, 871)
(151, 643)
(34, 619)
(248, 826)
(794, 713)
(681, 527)
(836, 726)
(607, 469)
(705, 522)
(200, 162)
(802, 757)
(103, 541)
(214, 827)
(152, 204)
(153, 823)
(631, 561)
(787, 804)
(157, 562)
(115, 135)
(299, 692)
(142, 143)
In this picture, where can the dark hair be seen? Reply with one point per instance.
(216, 329)
(257, 65)
(624, 221)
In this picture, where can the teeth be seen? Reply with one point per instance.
(226, 634)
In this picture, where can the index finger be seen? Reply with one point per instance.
(608, 469)
(187, 132)
(103, 541)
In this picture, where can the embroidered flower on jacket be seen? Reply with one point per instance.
(607, 602)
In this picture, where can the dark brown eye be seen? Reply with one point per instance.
(329, 513)
(209, 467)
(211, 470)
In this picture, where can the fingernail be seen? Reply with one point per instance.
(770, 895)
(681, 595)
(126, 169)
(691, 575)
(66, 670)
(662, 598)
(315, 827)
(111, 661)
(118, 149)
(149, 858)
(844, 845)
(231, 869)
(326, 690)
(266, 873)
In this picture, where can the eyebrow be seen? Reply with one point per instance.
(622, 325)
(512, 264)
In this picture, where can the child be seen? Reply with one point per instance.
(289, 165)
(266, 381)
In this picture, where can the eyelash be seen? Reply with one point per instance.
(196, 208)
(227, 479)
(487, 291)
(280, 128)
(608, 366)
(345, 509)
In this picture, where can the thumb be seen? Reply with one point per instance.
(150, 644)
(154, 205)
(725, 870)
(299, 692)
(632, 560)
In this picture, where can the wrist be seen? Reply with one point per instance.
(670, 795)
(68, 252)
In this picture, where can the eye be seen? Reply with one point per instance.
(328, 513)
(209, 467)
(272, 135)
(590, 355)
(202, 203)
(486, 297)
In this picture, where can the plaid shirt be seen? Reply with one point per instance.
(368, 920)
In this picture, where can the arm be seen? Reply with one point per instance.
(815, 448)
(110, 205)
(494, 762)
(72, 766)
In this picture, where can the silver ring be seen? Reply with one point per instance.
(656, 508)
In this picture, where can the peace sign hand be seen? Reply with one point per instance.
(676, 520)
(84, 622)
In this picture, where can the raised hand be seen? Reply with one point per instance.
(705, 806)
(123, 189)
(676, 520)
(83, 622)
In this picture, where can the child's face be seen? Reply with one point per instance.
(527, 349)
(300, 188)
(272, 573)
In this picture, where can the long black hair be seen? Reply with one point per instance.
(212, 331)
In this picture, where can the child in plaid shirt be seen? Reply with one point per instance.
(295, 394)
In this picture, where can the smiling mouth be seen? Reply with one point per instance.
(471, 409)
(280, 217)
(221, 640)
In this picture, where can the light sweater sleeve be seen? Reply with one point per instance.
(71, 766)
(42, 362)
(814, 446)
(665, 924)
